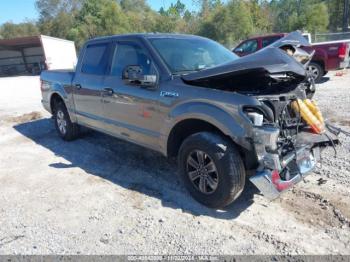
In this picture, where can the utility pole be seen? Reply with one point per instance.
(346, 15)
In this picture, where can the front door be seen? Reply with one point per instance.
(130, 110)
(247, 47)
(88, 85)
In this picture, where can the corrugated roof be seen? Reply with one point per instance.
(20, 42)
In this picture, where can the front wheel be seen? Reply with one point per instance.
(66, 129)
(211, 169)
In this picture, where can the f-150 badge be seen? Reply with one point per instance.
(169, 94)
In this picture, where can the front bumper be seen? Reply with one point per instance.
(270, 183)
(276, 174)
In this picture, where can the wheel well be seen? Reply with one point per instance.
(320, 63)
(184, 129)
(55, 98)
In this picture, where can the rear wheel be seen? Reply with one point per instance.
(66, 129)
(316, 71)
(211, 169)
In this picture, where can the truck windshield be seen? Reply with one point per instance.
(184, 55)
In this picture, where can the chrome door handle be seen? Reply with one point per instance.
(108, 91)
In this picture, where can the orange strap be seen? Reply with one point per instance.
(310, 113)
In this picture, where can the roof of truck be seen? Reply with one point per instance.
(146, 35)
(266, 36)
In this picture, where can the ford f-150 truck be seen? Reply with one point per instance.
(191, 98)
(328, 55)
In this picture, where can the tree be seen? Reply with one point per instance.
(175, 19)
(99, 18)
(137, 6)
(346, 15)
(51, 8)
(260, 15)
(311, 15)
(228, 23)
(11, 30)
(206, 7)
(57, 17)
(316, 18)
(141, 17)
(178, 9)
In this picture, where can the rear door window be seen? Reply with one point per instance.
(269, 40)
(95, 59)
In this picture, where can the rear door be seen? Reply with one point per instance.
(88, 84)
(132, 111)
(269, 40)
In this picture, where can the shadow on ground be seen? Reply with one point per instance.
(128, 166)
(323, 79)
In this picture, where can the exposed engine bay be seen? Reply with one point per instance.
(286, 144)
(289, 132)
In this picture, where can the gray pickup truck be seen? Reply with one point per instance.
(189, 97)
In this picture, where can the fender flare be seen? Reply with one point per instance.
(227, 123)
(321, 57)
(58, 89)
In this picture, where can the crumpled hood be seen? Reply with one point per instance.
(293, 39)
(273, 60)
(261, 65)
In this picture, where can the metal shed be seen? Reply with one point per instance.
(30, 55)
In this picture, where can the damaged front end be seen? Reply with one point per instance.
(286, 148)
(284, 161)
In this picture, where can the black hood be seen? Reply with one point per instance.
(256, 72)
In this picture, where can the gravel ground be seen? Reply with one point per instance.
(100, 195)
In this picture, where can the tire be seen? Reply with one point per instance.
(66, 129)
(316, 71)
(228, 173)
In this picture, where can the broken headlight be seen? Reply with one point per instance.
(256, 118)
(259, 114)
(255, 115)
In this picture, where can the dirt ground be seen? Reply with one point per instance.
(100, 195)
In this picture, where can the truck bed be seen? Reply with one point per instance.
(54, 80)
(63, 77)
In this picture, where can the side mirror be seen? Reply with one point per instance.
(133, 74)
(238, 50)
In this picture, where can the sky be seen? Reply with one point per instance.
(19, 10)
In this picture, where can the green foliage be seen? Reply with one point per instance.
(236, 20)
(337, 14)
(11, 30)
(316, 18)
(57, 17)
(137, 6)
(227, 21)
(310, 15)
(98, 18)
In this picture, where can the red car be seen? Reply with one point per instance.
(328, 55)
